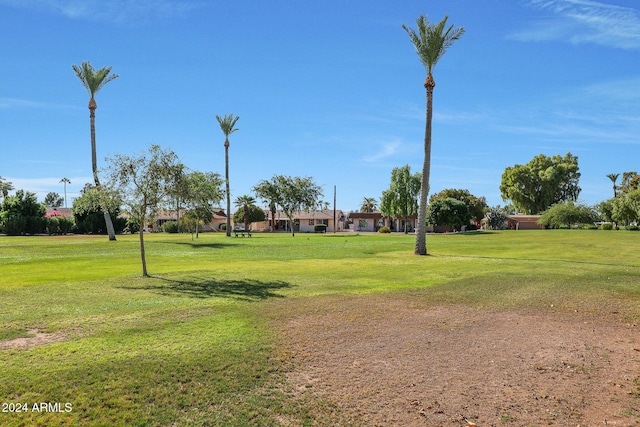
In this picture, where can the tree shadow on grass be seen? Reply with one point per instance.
(210, 287)
(197, 245)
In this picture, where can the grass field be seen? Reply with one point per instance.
(197, 343)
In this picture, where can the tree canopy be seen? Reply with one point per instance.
(541, 183)
(400, 200)
(567, 214)
(296, 194)
(477, 205)
(448, 212)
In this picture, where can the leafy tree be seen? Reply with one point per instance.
(605, 210)
(93, 80)
(227, 125)
(5, 187)
(541, 183)
(22, 213)
(496, 218)
(144, 181)
(477, 205)
(88, 213)
(203, 192)
(431, 43)
(566, 214)
(296, 194)
(614, 177)
(401, 199)
(448, 212)
(369, 204)
(245, 202)
(253, 214)
(626, 209)
(268, 192)
(53, 199)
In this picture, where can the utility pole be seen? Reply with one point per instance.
(334, 209)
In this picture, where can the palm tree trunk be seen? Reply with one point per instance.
(226, 173)
(421, 231)
(94, 166)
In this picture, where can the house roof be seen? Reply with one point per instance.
(319, 214)
(365, 215)
(62, 211)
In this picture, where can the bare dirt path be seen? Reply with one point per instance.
(387, 362)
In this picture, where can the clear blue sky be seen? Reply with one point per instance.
(331, 89)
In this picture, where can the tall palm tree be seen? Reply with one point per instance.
(369, 204)
(5, 187)
(431, 43)
(93, 80)
(65, 181)
(614, 177)
(227, 124)
(245, 202)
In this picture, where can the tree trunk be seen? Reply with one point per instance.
(421, 231)
(142, 253)
(94, 166)
(226, 174)
(273, 218)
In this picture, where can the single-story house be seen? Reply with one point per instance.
(367, 221)
(303, 221)
(171, 215)
(51, 211)
(523, 222)
(372, 221)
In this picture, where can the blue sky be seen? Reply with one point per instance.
(330, 89)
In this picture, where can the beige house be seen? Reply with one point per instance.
(171, 215)
(372, 221)
(303, 221)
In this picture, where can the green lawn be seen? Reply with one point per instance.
(197, 344)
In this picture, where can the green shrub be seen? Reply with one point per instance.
(170, 227)
(320, 228)
(384, 229)
(589, 227)
(65, 224)
(13, 223)
(53, 225)
(222, 227)
(607, 226)
(632, 228)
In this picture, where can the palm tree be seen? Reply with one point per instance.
(5, 187)
(93, 80)
(65, 181)
(614, 177)
(369, 204)
(431, 43)
(244, 202)
(227, 125)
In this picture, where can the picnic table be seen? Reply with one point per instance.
(241, 233)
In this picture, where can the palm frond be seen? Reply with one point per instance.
(93, 80)
(227, 123)
(432, 40)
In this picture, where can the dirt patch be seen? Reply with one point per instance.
(385, 362)
(35, 338)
